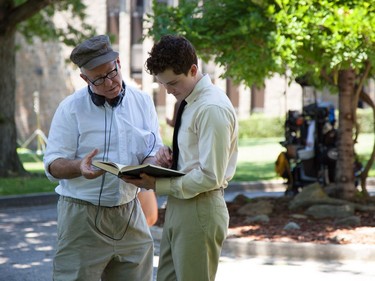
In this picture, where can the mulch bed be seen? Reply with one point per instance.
(321, 231)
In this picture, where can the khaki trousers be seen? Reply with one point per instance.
(193, 235)
(84, 252)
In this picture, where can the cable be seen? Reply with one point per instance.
(127, 224)
(152, 148)
(105, 158)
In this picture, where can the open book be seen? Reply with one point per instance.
(135, 171)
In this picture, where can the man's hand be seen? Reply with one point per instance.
(146, 181)
(87, 170)
(164, 157)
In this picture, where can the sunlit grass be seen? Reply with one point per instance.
(247, 171)
(34, 167)
(363, 148)
(25, 185)
(35, 183)
(256, 159)
(259, 150)
(364, 145)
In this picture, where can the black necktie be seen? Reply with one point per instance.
(175, 133)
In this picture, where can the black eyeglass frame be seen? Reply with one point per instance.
(110, 75)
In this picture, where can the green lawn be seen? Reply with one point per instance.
(37, 182)
(256, 161)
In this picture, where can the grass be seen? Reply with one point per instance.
(35, 183)
(16, 186)
(256, 161)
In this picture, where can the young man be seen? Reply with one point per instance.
(102, 231)
(196, 220)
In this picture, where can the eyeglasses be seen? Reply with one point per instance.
(112, 74)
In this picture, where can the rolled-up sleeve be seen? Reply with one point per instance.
(62, 140)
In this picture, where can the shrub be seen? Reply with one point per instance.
(261, 126)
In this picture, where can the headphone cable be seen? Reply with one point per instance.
(105, 157)
(152, 148)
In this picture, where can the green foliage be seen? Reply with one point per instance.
(41, 24)
(230, 32)
(255, 39)
(257, 126)
(260, 126)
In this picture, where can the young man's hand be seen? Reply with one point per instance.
(164, 157)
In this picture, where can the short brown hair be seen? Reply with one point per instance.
(171, 52)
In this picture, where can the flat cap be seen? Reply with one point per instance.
(93, 52)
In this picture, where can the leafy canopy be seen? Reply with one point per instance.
(41, 23)
(253, 39)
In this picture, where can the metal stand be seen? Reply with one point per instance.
(38, 133)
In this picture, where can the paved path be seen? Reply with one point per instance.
(28, 235)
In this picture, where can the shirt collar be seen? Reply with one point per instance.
(204, 82)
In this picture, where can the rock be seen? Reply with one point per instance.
(341, 239)
(291, 226)
(241, 199)
(312, 191)
(348, 221)
(299, 216)
(262, 207)
(315, 195)
(308, 194)
(258, 218)
(330, 211)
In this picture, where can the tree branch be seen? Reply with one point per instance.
(364, 174)
(21, 13)
(326, 77)
(361, 82)
(356, 98)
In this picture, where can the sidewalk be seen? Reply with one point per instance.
(28, 238)
(243, 247)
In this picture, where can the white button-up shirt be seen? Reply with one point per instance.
(207, 141)
(124, 134)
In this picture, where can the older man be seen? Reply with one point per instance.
(102, 231)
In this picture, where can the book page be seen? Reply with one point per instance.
(111, 167)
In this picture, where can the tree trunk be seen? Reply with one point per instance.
(10, 164)
(344, 181)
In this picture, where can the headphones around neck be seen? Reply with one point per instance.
(99, 100)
